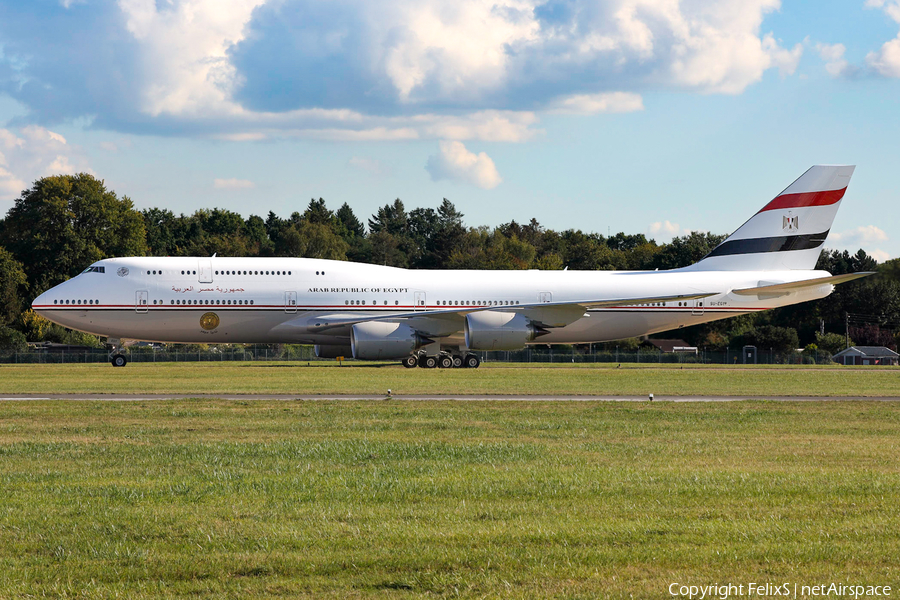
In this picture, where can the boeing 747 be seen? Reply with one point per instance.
(430, 318)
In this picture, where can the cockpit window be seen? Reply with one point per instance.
(95, 269)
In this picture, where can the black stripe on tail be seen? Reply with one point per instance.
(769, 244)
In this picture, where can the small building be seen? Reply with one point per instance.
(867, 355)
(673, 346)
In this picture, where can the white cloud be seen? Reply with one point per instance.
(33, 152)
(833, 55)
(375, 134)
(10, 185)
(183, 44)
(458, 47)
(115, 146)
(606, 102)
(488, 126)
(861, 236)
(457, 163)
(233, 184)
(886, 62)
(370, 165)
(247, 70)
(666, 230)
(879, 255)
(784, 60)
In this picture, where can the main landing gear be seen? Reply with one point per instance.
(443, 360)
(116, 358)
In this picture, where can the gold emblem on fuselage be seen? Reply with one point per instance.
(209, 321)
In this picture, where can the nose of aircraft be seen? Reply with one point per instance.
(39, 304)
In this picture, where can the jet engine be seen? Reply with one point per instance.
(494, 330)
(376, 340)
(330, 351)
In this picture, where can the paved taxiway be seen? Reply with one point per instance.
(418, 398)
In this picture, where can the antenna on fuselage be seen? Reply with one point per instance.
(214, 255)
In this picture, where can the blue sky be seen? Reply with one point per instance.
(643, 116)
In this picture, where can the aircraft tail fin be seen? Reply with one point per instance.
(789, 231)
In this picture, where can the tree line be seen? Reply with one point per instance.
(64, 223)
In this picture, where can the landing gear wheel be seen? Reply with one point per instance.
(428, 362)
(445, 362)
(472, 361)
(411, 362)
(457, 361)
(118, 361)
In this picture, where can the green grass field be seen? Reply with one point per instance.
(494, 378)
(213, 499)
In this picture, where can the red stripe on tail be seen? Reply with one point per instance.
(805, 199)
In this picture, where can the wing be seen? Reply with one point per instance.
(548, 314)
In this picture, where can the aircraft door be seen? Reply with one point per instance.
(545, 297)
(697, 307)
(204, 271)
(290, 302)
(140, 301)
(420, 300)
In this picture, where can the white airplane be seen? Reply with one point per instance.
(436, 318)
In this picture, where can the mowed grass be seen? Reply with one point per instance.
(330, 499)
(534, 379)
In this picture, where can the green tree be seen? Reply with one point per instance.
(257, 238)
(686, 250)
(386, 250)
(322, 242)
(354, 233)
(390, 218)
(64, 223)
(11, 340)
(351, 224)
(587, 252)
(160, 226)
(12, 287)
(831, 342)
(317, 212)
(780, 341)
(448, 233)
(34, 326)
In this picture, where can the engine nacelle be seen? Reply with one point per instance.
(494, 330)
(377, 340)
(329, 351)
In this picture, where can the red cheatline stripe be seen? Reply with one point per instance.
(805, 199)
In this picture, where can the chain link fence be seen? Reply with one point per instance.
(559, 354)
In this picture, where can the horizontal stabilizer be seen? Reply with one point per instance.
(780, 288)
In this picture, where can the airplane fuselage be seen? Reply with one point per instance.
(292, 300)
